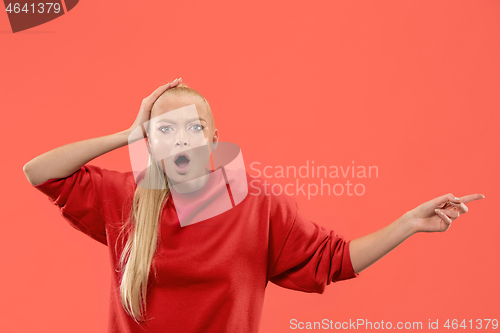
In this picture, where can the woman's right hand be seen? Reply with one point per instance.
(145, 110)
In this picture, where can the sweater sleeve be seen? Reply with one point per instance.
(79, 198)
(305, 256)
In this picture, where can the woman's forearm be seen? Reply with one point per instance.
(368, 249)
(65, 160)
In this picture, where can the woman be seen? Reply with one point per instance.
(189, 254)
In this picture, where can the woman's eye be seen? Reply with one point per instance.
(196, 127)
(165, 129)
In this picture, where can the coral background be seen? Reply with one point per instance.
(409, 86)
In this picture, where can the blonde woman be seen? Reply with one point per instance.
(184, 259)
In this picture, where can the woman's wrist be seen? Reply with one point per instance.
(133, 135)
(409, 220)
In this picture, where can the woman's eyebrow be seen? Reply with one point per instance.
(196, 119)
(173, 122)
(165, 121)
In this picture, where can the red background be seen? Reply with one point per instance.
(409, 86)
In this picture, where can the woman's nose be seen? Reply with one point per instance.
(181, 139)
(181, 143)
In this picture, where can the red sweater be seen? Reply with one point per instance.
(211, 275)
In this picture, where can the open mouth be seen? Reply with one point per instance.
(182, 161)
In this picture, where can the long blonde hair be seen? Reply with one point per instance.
(143, 226)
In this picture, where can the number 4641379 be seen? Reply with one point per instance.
(479, 324)
(41, 8)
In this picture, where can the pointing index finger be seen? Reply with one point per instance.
(472, 197)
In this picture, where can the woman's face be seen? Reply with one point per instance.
(181, 138)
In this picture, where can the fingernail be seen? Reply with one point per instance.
(437, 211)
(457, 198)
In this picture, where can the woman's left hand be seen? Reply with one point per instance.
(437, 214)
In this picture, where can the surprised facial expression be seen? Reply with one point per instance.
(181, 140)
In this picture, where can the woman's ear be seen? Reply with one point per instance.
(215, 139)
(148, 147)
